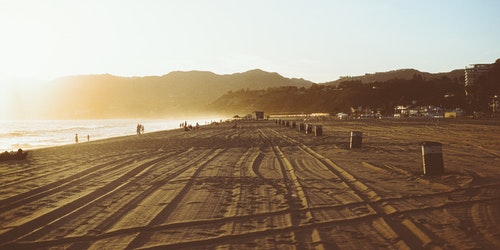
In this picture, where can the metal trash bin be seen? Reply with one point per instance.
(356, 139)
(301, 127)
(318, 130)
(309, 129)
(432, 158)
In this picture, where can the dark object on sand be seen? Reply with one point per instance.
(318, 130)
(19, 155)
(309, 129)
(356, 139)
(301, 127)
(432, 158)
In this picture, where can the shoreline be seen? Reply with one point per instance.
(354, 122)
(47, 133)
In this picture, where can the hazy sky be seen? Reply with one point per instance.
(311, 39)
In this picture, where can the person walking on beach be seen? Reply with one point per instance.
(88, 138)
(76, 138)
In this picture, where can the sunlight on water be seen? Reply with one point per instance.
(46, 133)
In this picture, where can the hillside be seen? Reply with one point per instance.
(380, 91)
(177, 94)
(193, 93)
(402, 74)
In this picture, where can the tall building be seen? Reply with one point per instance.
(472, 74)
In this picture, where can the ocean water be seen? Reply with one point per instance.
(46, 133)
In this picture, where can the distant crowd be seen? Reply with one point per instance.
(189, 127)
(19, 155)
(140, 129)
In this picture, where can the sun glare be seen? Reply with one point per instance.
(26, 51)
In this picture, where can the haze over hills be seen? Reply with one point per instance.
(187, 94)
(177, 94)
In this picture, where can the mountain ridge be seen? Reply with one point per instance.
(404, 74)
(176, 94)
(190, 93)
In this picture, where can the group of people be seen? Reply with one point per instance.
(76, 138)
(140, 129)
(189, 127)
(19, 155)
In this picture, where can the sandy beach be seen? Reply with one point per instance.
(260, 186)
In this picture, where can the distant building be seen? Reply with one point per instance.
(258, 115)
(472, 74)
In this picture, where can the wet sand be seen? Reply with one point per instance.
(262, 186)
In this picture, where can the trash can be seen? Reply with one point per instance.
(356, 139)
(432, 158)
(301, 127)
(309, 129)
(318, 130)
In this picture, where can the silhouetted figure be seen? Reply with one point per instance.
(138, 128)
(76, 138)
(142, 129)
(88, 138)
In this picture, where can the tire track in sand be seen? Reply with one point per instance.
(32, 171)
(411, 233)
(155, 183)
(406, 238)
(297, 200)
(75, 205)
(63, 184)
(143, 237)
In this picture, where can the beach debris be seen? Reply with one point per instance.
(8, 156)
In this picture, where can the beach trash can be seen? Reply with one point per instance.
(432, 158)
(301, 127)
(356, 139)
(309, 129)
(318, 130)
